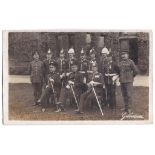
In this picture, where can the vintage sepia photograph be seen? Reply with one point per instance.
(84, 77)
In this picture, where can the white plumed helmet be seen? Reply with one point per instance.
(71, 50)
(105, 50)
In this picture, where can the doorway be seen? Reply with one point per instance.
(133, 50)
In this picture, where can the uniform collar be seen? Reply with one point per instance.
(36, 60)
(52, 72)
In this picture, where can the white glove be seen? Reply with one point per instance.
(117, 83)
(46, 86)
(67, 74)
(70, 82)
(68, 87)
(114, 77)
(51, 80)
(62, 75)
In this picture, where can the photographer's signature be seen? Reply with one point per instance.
(132, 116)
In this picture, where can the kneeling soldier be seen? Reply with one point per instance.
(95, 80)
(52, 88)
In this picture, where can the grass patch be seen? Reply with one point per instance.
(21, 100)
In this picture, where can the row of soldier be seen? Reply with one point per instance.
(81, 83)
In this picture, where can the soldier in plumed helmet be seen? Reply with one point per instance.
(62, 67)
(71, 58)
(110, 70)
(62, 62)
(83, 67)
(46, 62)
(103, 59)
(93, 58)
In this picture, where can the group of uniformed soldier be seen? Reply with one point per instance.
(83, 82)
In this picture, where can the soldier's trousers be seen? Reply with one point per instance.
(127, 91)
(111, 95)
(48, 92)
(37, 91)
(86, 99)
(67, 93)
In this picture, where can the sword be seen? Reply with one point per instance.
(74, 96)
(97, 101)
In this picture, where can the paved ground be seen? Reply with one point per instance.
(139, 80)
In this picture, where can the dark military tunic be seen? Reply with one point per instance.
(62, 65)
(84, 67)
(87, 97)
(65, 93)
(91, 62)
(51, 91)
(46, 63)
(69, 63)
(110, 70)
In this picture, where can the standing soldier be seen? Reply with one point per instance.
(62, 62)
(93, 59)
(52, 88)
(36, 76)
(73, 87)
(71, 59)
(83, 67)
(46, 62)
(103, 59)
(102, 65)
(62, 67)
(110, 77)
(95, 80)
(127, 72)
